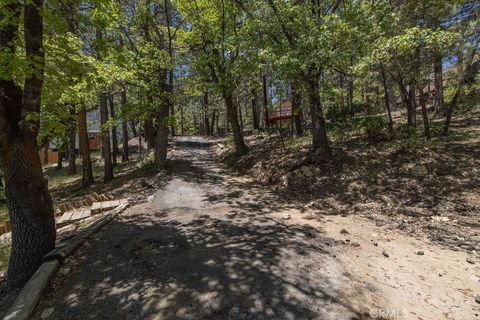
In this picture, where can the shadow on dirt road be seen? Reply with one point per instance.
(206, 247)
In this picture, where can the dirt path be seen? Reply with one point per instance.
(213, 246)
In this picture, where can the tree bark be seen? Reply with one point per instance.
(439, 104)
(182, 120)
(320, 150)
(125, 155)
(388, 102)
(265, 99)
(296, 108)
(115, 150)
(72, 153)
(256, 122)
(133, 127)
(423, 105)
(232, 115)
(29, 202)
(87, 171)
(206, 124)
(350, 97)
(172, 106)
(161, 137)
(468, 75)
(149, 132)
(106, 148)
(60, 160)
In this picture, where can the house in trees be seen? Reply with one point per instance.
(280, 114)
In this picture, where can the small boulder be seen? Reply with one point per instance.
(287, 216)
(307, 171)
(385, 254)
(470, 260)
(420, 253)
(440, 219)
(47, 313)
(477, 299)
(420, 170)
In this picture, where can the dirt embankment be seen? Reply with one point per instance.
(432, 192)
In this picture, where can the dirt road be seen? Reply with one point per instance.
(213, 246)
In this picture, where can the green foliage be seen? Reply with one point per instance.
(2, 196)
(411, 139)
(4, 255)
(145, 159)
(373, 126)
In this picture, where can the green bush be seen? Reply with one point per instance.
(373, 126)
(410, 138)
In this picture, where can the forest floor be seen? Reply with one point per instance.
(134, 180)
(210, 245)
(426, 189)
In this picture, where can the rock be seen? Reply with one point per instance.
(306, 171)
(470, 260)
(420, 253)
(343, 231)
(385, 254)
(150, 198)
(65, 271)
(440, 219)
(375, 244)
(47, 313)
(477, 299)
(420, 170)
(355, 244)
(287, 216)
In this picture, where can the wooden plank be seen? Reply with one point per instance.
(99, 207)
(80, 214)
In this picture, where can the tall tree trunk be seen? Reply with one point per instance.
(60, 160)
(439, 104)
(87, 171)
(232, 115)
(133, 127)
(115, 150)
(320, 150)
(214, 121)
(265, 99)
(239, 108)
(149, 132)
(172, 106)
(256, 122)
(106, 148)
(30, 208)
(29, 202)
(423, 105)
(123, 102)
(72, 137)
(468, 75)
(206, 124)
(296, 108)
(388, 105)
(350, 97)
(412, 106)
(161, 137)
(182, 120)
